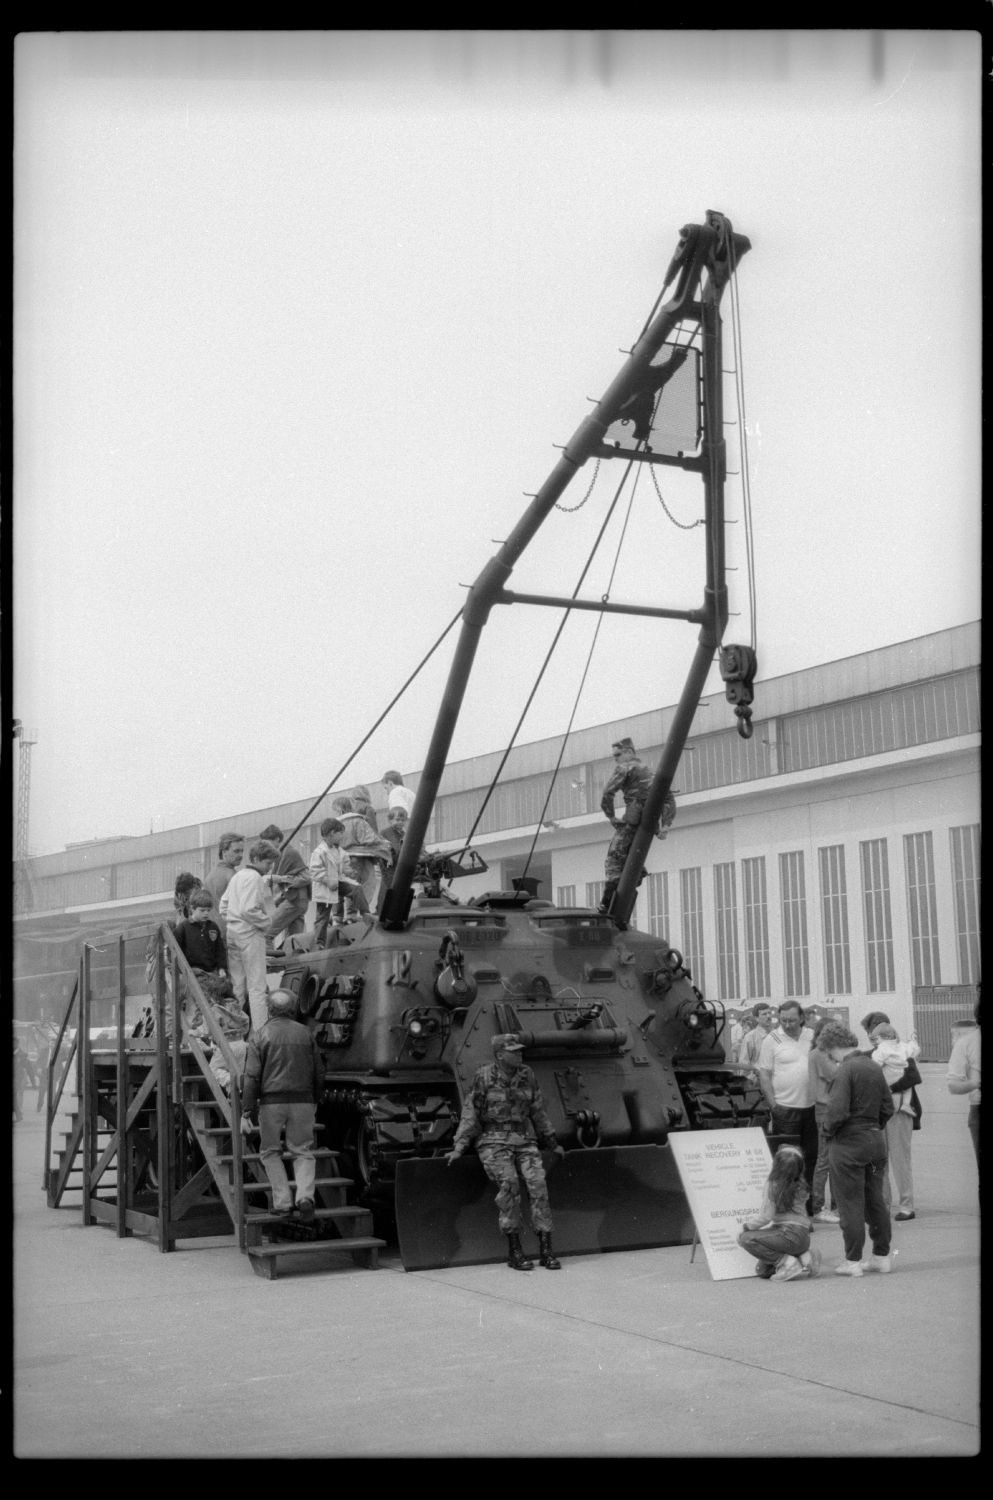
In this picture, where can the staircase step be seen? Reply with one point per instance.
(302, 1247)
(264, 1187)
(214, 1130)
(265, 1258)
(319, 1213)
(226, 1129)
(322, 1153)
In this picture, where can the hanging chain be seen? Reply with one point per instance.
(589, 492)
(683, 525)
(746, 485)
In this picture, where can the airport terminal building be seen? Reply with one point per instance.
(833, 857)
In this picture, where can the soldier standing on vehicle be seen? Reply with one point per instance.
(505, 1115)
(633, 779)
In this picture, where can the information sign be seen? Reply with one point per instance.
(723, 1173)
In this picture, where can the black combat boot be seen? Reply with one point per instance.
(516, 1258)
(608, 896)
(546, 1255)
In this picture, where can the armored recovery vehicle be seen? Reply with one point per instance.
(625, 1047)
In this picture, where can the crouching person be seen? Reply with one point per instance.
(283, 1078)
(505, 1115)
(779, 1234)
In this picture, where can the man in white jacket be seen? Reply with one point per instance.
(397, 794)
(248, 908)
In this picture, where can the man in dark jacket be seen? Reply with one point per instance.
(291, 887)
(283, 1078)
(858, 1107)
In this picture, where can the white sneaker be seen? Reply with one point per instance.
(849, 1268)
(787, 1269)
(881, 1263)
(827, 1216)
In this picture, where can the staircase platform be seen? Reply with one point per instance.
(203, 1220)
(141, 1166)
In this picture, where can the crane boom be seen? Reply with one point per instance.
(704, 261)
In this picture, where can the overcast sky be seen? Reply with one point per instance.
(300, 316)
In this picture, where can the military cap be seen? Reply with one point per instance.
(506, 1041)
(625, 744)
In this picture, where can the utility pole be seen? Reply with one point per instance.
(26, 738)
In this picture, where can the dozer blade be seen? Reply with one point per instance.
(618, 1198)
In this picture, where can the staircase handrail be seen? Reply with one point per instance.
(53, 1096)
(230, 1106)
(203, 1001)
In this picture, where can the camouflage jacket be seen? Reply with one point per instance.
(497, 1108)
(633, 780)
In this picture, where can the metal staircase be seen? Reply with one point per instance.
(152, 1142)
(273, 1241)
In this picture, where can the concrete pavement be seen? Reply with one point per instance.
(122, 1352)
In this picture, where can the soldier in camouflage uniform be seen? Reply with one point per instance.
(633, 779)
(504, 1114)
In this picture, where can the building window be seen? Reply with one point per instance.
(565, 895)
(658, 905)
(756, 928)
(726, 918)
(834, 920)
(793, 895)
(594, 892)
(965, 875)
(878, 921)
(922, 907)
(691, 901)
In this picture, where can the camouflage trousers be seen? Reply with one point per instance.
(617, 852)
(502, 1163)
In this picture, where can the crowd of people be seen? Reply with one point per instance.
(257, 897)
(850, 1113)
(33, 1042)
